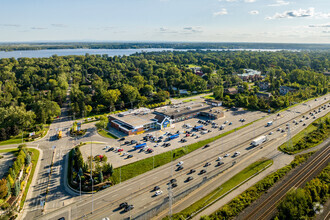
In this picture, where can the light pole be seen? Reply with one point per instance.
(92, 175)
(80, 185)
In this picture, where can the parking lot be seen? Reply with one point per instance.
(117, 151)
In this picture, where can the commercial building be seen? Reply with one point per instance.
(213, 113)
(213, 102)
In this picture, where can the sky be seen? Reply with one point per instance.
(281, 21)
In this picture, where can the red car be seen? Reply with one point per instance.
(120, 149)
(187, 135)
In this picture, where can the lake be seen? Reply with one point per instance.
(110, 52)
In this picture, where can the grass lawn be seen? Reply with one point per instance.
(14, 150)
(209, 97)
(106, 134)
(188, 100)
(227, 186)
(18, 138)
(139, 167)
(34, 160)
(309, 129)
(192, 66)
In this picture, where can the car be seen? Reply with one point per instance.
(129, 156)
(193, 135)
(304, 124)
(227, 155)
(315, 99)
(183, 140)
(123, 205)
(125, 153)
(294, 121)
(197, 136)
(314, 117)
(133, 141)
(121, 139)
(270, 133)
(187, 135)
(220, 163)
(120, 150)
(127, 142)
(128, 208)
(237, 153)
(207, 164)
(180, 163)
(206, 146)
(301, 120)
(209, 131)
(219, 158)
(150, 150)
(174, 185)
(189, 178)
(173, 181)
(279, 129)
(192, 171)
(230, 123)
(156, 145)
(111, 149)
(225, 122)
(278, 114)
(158, 192)
(179, 168)
(156, 188)
(105, 218)
(202, 171)
(283, 131)
(243, 120)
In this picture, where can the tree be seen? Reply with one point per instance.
(88, 109)
(27, 159)
(8, 188)
(10, 180)
(162, 96)
(111, 97)
(17, 188)
(218, 92)
(129, 93)
(3, 134)
(3, 188)
(101, 177)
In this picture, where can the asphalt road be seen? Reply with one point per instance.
(137, 190)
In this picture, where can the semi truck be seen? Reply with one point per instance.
(59, 135)
(173, 137)
(197, 128)
(139, 146)
(259, 140)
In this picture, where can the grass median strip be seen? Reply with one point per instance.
(106, 134)
(311, 136)
(139, 167)
(233, 182)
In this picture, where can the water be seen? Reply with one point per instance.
(110, 52)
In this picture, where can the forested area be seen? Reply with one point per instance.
(34, 89)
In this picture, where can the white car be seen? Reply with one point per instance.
(279, 129)
(219, 158)
(225, 122)
(227, 155)
(105, 218)
(106, 147)
(158, 192)
(237, 153)
(270, 133)
(125, 154)
(180, 163)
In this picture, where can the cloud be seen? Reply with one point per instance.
(249, 1)
(166, 30)
(38, 28)
(279, 3)
(295, 14)
(221, 12)
(196, 29)
(10, 25)
(59, 25)
(227, 0)
(319, 25)
(254, 12)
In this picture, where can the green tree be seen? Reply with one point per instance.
(111, 97)
(101, 177)
(17, 188)
(3, 188)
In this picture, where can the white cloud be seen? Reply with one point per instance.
(227, 0)
(59, 25)
(254, 12)
(279, 3)
(319, 25)
(295, 14)
(221, 12)
(249, 1)
(38, 28)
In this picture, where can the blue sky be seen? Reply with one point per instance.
(283, 21)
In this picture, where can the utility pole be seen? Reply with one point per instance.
(289, 142)
(92, 176)
(170, 197)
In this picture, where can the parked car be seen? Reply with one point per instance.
(192, 171)
(174, 185)
(173, 181)
(202, 171)
(183, 140)
(189, 178)
(220, 163)
(207, 164)
(206, 146)
(129, 156)
(270, 133)
(106, 147)
(121, 139)
(156, 188)
(219, 158)
(111, 149)
(230, 123)
(237, 153)
(120, 150)
(227, 155)
(128, 208)
(127, 142)
(158, 192)
(180, 163)
(123, 205)
(179, 168)
(133, 141)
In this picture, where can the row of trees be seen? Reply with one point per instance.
(12, 183)
(304, 203)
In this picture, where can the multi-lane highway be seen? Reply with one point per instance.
(137, 191)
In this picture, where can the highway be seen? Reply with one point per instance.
(136, 191)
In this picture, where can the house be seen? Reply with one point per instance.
(250, 74)
(285, 89)
(265, 95)
(264, 85)
(231, 91)
(197, 70)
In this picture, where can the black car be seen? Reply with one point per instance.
(189, 178)
(183, 140)
(129, 207)
(121, 139)
(173, 181)
(111, 149)
(207, 164)
(156, 188)
(220, 163)
(174, 185)
(192, 171)
(129, 156)
(179, 168)
(203, 171)
(206, 146)
(127, 142)
(123, 205)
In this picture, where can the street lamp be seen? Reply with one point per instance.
(80, 173)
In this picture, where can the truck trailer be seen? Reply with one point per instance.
(173, 137)
(138, 146)
(259, 140)
(197, 128)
